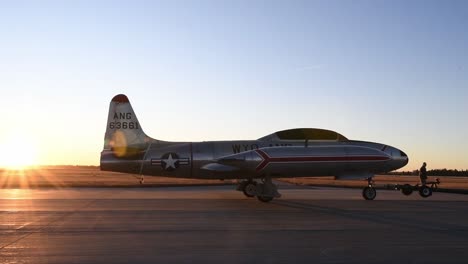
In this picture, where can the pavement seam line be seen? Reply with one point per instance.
(63, 216)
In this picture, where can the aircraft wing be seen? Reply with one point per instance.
(216, 167)
(230, 163)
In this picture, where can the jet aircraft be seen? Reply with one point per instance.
(298, 152)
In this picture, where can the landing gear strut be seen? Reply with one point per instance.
(265, 191)
(369, 192)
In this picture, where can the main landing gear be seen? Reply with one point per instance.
(369, 192)
(265, 190)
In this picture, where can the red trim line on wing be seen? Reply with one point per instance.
(267, 159)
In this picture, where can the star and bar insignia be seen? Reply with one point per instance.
(170, 161)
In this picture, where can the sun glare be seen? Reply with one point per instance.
(17, 152)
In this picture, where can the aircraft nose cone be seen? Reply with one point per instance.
(402, 154)
(401, 157)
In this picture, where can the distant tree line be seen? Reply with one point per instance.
(436, 172)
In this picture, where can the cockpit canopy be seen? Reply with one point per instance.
(304, 134)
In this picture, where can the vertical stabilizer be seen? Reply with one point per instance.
(124, 135)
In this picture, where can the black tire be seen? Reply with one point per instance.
(250, 189)
(369, 193)
(407, 189)
(425, 191)
(241, 186)
(265, 199)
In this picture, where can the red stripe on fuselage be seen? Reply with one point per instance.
(267, 159)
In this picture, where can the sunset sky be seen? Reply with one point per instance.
(394, 72)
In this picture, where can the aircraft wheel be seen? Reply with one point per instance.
(369, 193)
(265, 199)
(425, 191)
(407, 189)
(250, 189)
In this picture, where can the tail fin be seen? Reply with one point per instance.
(125, 143)
(124, 135)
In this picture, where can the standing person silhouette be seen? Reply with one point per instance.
(423, 174)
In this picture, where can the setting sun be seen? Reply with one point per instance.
(17, 152)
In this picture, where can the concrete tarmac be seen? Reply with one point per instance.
(219, 225)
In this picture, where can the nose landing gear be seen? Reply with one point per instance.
(369, 192)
